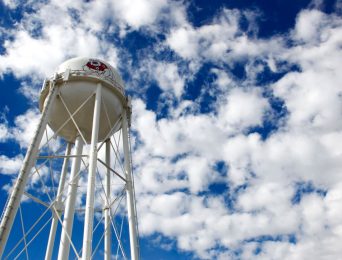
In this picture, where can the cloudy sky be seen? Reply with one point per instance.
(237, 115)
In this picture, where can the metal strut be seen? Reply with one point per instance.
(131, 210)
(106, 211)
(30, 158)
(58, 204)
(68, 220)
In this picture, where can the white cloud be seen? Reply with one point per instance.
(168, 78)
(175, 157)
(11, 3)
(26, 125)
(221, 41)
(313, 214)
(184, 42)
(39, 55)
(29, 91)
(243, 109)
(187, 134)
(308, 26)
(28, 56)
(198, 171)
(4, 132)
(304, 149)
(137, 13)
(10, 165)
(223, 80)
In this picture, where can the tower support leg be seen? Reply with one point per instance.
(89, 210)
(14, 200)
(106, 212)
(57, 208)
(64, 246)
(132, 221)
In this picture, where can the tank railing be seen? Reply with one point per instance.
(113, 80)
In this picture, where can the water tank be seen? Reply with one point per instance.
(77, 80)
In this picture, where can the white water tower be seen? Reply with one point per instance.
(85, 104)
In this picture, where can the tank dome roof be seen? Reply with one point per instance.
(92, 67)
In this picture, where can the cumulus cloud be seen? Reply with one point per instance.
(11, 3)
(168, 77)
(307, 24)
(26, 125)
(177, 155)
(305, 148)
(10, 165)
(4, 132)
(137, 13)
(44, 32)
(243, 109)
(222, 41)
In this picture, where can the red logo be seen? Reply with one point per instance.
(96, 65)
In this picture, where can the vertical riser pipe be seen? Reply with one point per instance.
(89, 211)
(107, 239)
(57, 207)
(68, 220)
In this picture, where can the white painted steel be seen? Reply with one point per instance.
(89, 210)
(132, 221)
(93, 93)
(106, 211)
(30, 159)
(68, 220)
(80, 78)
(58, 207)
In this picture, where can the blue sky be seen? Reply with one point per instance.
(237, 116)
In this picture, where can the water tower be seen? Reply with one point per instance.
(85, 105)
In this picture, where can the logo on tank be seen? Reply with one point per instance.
(98, 68)
(96, 65)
